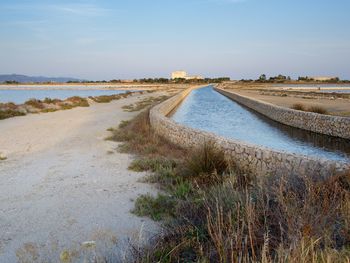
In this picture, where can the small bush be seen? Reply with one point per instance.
(8, 106)
(35, 104)
(4, 114)
(206, 163)
(49, 110)
(151, 164)
(157, 208)
(106, 98)
(298, 106)
(66, 106)
(143, 103)
(51, 101)
(318, 109)
(123, 124)
(315, 109)
(78, 101)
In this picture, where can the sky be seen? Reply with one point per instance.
(114, 39)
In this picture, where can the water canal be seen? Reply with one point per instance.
(207, 110)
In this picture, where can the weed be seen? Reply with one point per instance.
(157, 208)
(151, 164)
(123, 124)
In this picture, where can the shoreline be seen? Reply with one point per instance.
(81, 87)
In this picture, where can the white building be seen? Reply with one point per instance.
(183, 75)
(323, 78)
(178, 75)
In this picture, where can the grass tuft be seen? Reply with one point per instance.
(157, 208)
(299, 106)
(318, 109)
(140, 105)
(315, 109)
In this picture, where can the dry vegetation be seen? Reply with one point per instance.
(8, 110)
(212, 212)
(143, 103)
(315, 109)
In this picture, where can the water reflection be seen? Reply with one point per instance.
(208, 110)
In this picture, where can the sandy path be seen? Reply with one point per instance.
(63, 184)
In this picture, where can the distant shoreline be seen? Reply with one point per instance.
(82, 86)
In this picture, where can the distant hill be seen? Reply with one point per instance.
(29, 79)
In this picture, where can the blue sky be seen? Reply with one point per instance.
(150, 38)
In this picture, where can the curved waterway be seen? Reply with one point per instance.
(207, 110)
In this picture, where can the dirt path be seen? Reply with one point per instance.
(63, 184)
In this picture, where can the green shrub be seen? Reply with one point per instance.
(157, 208)
(151, 164)
(4, 114)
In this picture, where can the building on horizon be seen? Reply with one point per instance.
(323, 78)
(183, 75)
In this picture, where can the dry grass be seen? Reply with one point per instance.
(78, 101)
(299, 106)
(140, 105)
(315, 109)
(318, 109)
(212, 212)
(38, 104)
(106, 98)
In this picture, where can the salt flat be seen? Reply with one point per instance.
(63, 184)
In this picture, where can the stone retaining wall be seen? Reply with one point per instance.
(259, 160)
(320, 123)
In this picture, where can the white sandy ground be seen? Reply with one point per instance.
(64, 184)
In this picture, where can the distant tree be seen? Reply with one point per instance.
(306, 78)
(262, 78)
(334, 80)
(11, 82)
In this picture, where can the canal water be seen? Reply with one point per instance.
(207, 110)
